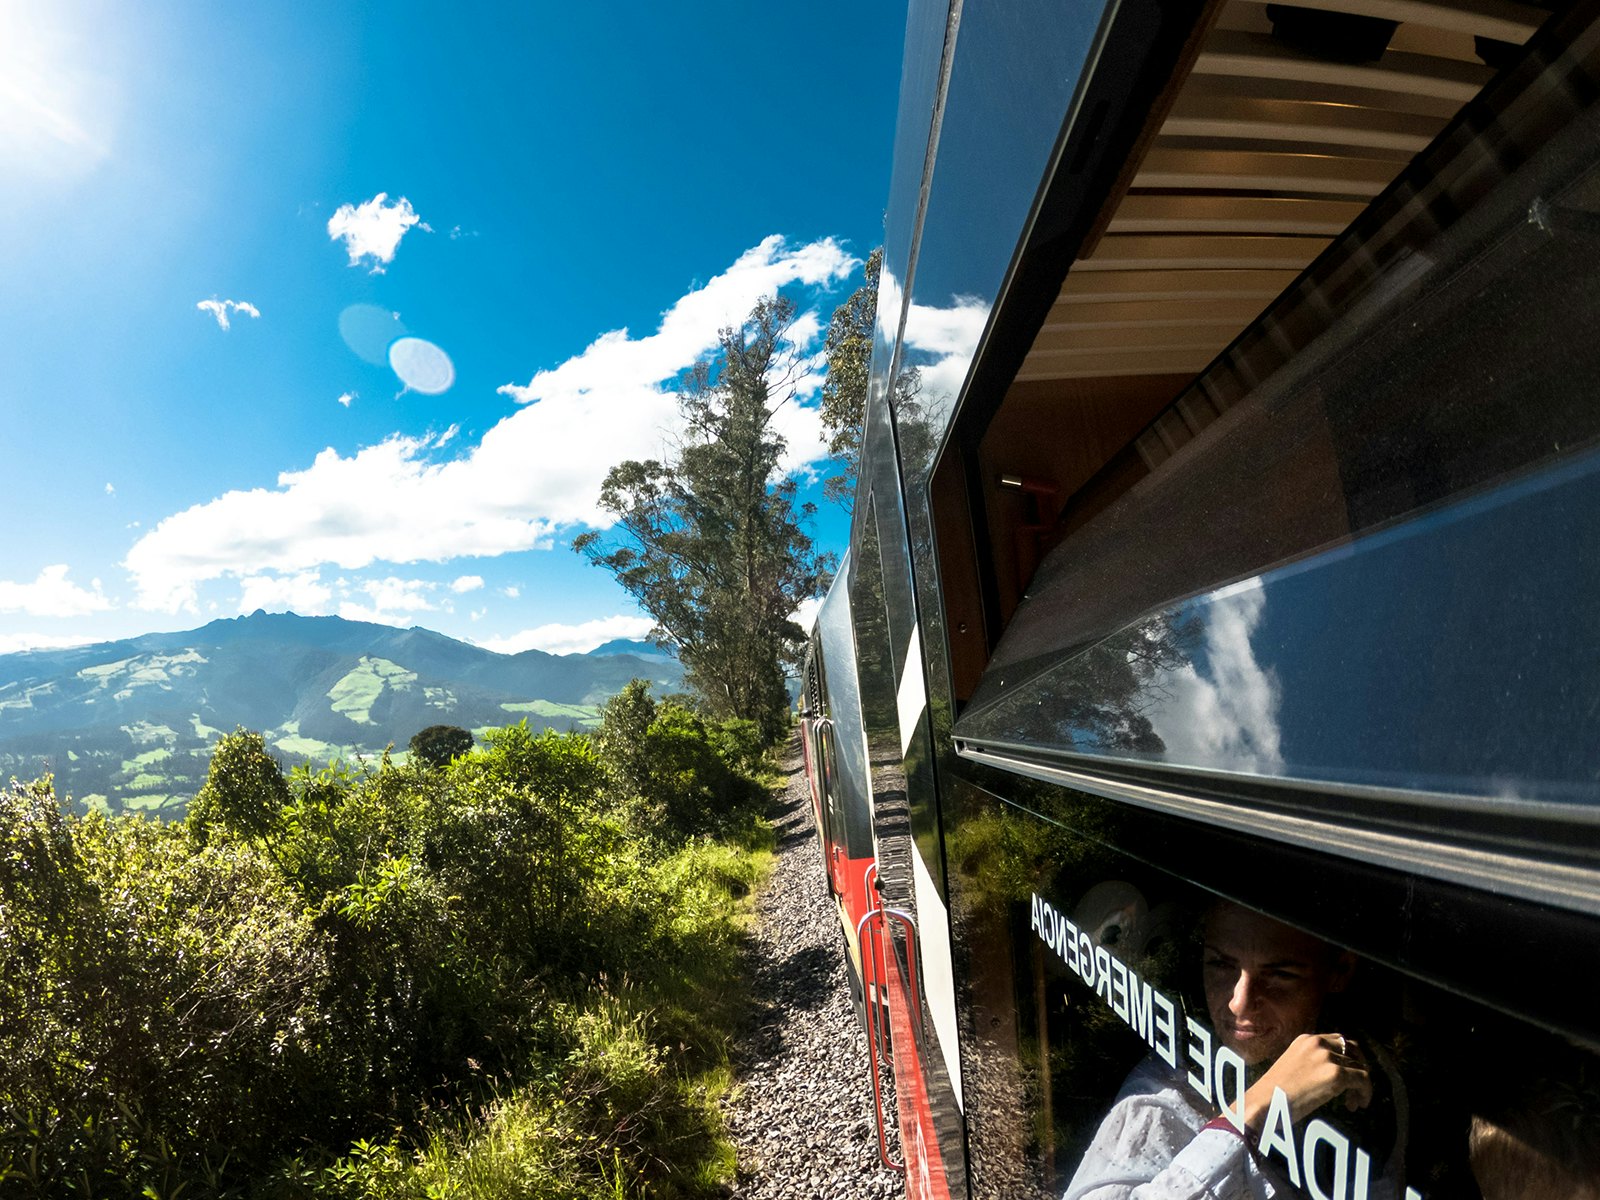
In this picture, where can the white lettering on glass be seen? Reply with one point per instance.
(1278, 1134)
(1119, 990)
(1318, 1134)
(1200, 1055)
(1333, 1167)
(1139, 1008)
(1229, 1077)
(1363, 1174)
(1165, 1042)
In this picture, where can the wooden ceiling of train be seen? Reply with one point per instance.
(1265, 155)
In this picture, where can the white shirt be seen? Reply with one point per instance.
(1153, 1145)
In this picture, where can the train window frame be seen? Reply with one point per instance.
(1078, 208)
(1378, 260)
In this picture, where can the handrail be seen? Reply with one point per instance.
(870, 941)
(818, 729)
(909, 924)
(873, 1035)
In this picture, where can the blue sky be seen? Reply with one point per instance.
(347, 308)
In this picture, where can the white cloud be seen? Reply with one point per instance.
(52, 595)
(14, 643)
(351, 610)
(511, 592)
(571, 639)
(110, 491)
(945, 340)
(466, 583)
(346, 397)
(304, 593)
(400, 595)
(805, 443)
(804, 330)
(806, 615)
(1227, 718)
(373, 229)
(534, 473)
(221, 308)
(389, 601)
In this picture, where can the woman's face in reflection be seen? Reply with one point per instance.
(1265, 982)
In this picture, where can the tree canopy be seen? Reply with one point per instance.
(844, 394)
(710, 541)
(438, 744)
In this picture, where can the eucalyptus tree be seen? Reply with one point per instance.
(711, 539)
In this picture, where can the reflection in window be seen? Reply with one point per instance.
(1142, 1031)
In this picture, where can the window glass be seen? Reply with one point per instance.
(847, 793)
(1374, 569)
(1130, 1026)
(1016, 69)
(1445, 655)
(927, 25)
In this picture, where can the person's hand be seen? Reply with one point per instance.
(1316, 1068)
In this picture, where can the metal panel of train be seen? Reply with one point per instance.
(1203, 725)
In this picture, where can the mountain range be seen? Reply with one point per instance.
(130, 725)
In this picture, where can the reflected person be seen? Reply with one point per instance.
(1266, 985)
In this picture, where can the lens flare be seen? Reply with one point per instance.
(370, 331)
(422, 366)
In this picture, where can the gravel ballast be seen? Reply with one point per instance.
(802, 1114)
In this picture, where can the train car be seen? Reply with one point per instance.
(1203, 724)
(836, 772)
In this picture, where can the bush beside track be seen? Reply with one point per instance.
(512, 974)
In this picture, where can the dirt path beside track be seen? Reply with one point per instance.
(802, 1117)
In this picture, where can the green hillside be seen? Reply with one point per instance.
(129, 726)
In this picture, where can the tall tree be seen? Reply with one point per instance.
(844, 393)
(710, 542)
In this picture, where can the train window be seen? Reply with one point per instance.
(1134, 1027)
(1364, 562)
(843, 748)
(1266, 155)
(962, 602)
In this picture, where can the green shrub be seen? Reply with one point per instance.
(491, 978)
(173, 1001)
(244, 790)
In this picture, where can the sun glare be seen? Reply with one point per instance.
(55, 112)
